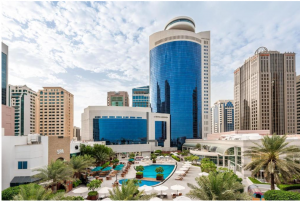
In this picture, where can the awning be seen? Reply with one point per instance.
(23, 180)
(218, 147)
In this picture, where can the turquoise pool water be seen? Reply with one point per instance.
(143, 182)
(149, 171)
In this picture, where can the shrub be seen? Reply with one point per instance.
(115, 161)
(255, 181)
(72, 198)
(139, 173)
(140, 168)
(158, 152)
(105, 165)
(76, 183)
(287, 187)
(207, 165)
(176, 158)
(159, 175)
(94, 185)
(10, 192)
(93, 193)
(281, 195)
(153, 156)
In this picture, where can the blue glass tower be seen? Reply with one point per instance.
(4, 74)
(140, 97)
(177, 81)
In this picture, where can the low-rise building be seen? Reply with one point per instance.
(126, 129)
(8, 120)
(20, 156)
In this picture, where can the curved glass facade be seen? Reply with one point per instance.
(120, 130)
(175, 88)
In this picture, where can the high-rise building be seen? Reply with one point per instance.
(22, 99)
(76, 133)
(222, 113)
(180, 78)
(120, 98)
(298, 102)
(55, 112)
(140, 97)
(264, 93)
(8, 121)
(4, 70)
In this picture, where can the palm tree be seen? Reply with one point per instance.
(56, 172)
(129, 191)
(217, 186)
(80, 163)
(36, 192)
(101, 157)
(275, 157)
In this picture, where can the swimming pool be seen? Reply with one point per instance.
(143, 182)
(149, 171)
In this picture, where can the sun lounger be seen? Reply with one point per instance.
(178, 178)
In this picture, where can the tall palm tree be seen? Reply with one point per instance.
(217, 186)
(275, 157)
(101, 157)
(81, 163)
(56, 172)
(36, 192)
(129, 191)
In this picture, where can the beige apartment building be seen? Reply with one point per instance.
(265, 93)
(54, 112)
(117, 98)
(298, 102)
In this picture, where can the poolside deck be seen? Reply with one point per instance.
(189, 178)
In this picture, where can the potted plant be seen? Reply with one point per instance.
(93, 185)
(139, 173)
(153, 157)
(159, 171)
(115, 162)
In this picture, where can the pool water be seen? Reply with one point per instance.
(143, 182)
(149, 171)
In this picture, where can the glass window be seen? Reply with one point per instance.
(22, 164)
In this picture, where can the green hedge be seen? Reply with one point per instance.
(139, 173)
(10, 192)
(92, 193)
(286, 187)
(76, 183)
(281, 195)
(176, 158)
(72, 198)
(255, 181)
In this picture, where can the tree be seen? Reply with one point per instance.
(36, 192)
(275, 157)
(217, 186)
(131, 155)
(207, 165)
(56, 172)
(93, 185)
(128, 191)
(159, 170)
(139, 168)
(198, 146)
(80, 163)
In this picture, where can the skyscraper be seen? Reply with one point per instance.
(120, 98)
(4, 70)
(55, 112)
(264, 93)
(180, 78)
(22, 99)
(140, 97)
(222, 113)
(298, 102)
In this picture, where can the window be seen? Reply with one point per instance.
(22, 165)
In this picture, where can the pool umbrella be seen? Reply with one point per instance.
(107, 169)
(181, 198)
(161, 188)
(131, 159)
(180, 172)
(96, 169)
(104, 190)
(155, 199)
(177, 188)
(203, 174)
(145, 188)
(80, 190)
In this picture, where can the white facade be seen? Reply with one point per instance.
(145, 113)
(185, 31)
(22, 99)
(16, 149)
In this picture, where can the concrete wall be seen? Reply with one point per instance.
(8, 120)
(14, 149)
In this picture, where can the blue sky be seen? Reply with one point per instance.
(90, 48)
